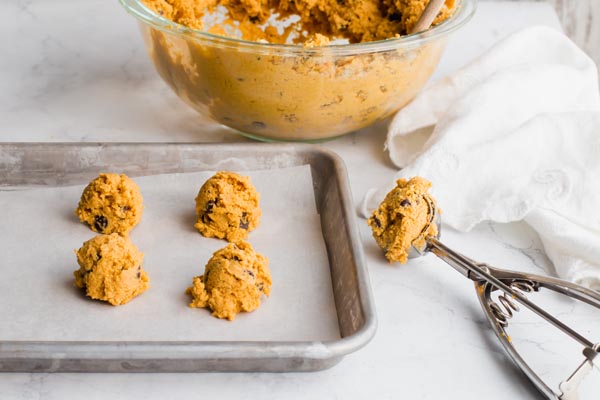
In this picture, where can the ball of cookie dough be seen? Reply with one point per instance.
(403, 219)
(227, 207)
(111, 203)
(110, 269)
(234, 280)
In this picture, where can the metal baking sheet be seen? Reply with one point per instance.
(160, 334)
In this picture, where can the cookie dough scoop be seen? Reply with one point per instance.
(402, 219)
(111, 203)
(498, 290)
(234, 280)
(110, 269)
(227, 207)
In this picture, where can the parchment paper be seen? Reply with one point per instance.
(39, 233)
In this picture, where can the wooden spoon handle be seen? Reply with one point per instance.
(429, 13)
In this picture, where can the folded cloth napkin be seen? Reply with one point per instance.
(513, 136)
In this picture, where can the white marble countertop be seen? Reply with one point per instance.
(77, 71)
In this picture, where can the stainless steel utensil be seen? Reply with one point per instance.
(499, 311)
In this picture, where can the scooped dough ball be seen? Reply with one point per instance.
(234, 280)
(227, 207)
(111, 203)
(110, 269)
(403, 219)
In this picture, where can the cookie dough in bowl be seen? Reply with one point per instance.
(234, 280)
(329, 74)
(227, 207)
(110, 269)
(111, 203)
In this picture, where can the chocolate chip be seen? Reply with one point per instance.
(139, 275)
(236, 258)
(244, 223)
(125, 208)
(249, 272)
(377, 221)
(209, 206)
(290, 117)
(260, 286)
(208, 209)
(405, 203)
(100, 223)
(394, 16)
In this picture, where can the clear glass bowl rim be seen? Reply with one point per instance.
(465, 11)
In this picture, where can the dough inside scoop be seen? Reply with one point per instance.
(403, 219)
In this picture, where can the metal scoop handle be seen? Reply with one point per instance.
(486, 273)
(488, 279)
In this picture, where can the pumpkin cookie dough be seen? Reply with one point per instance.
(234, 280)
(227, 207)
(111, 203)
(110, 269)
(354, 20)
(310, 93)
(402, 219)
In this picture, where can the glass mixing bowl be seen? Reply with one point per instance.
(289, 92)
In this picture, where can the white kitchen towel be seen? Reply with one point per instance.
(513, 136)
